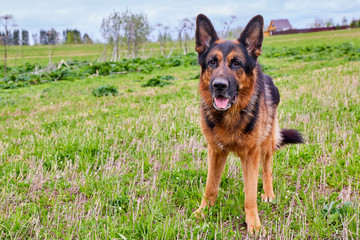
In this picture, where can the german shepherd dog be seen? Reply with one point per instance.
(238, 112)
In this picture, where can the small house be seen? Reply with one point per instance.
(278, 25)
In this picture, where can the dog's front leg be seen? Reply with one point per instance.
(216, 162)
(250, 165)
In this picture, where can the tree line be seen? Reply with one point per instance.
(13, 36)
(16, 37)
(329, 22)
(44, 37)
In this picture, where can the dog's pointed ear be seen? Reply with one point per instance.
(252, 36)
(205, 33)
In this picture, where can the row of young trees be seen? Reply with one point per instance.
(127, 28)
(185, 32)
(132, 30)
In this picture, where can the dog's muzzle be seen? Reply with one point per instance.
(221, 98)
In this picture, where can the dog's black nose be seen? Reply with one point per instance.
(220, 84)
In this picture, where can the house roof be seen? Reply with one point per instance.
(281, 24)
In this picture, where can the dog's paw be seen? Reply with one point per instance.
(252, 229)
(256, 232)
(268, 197)
(199, 214)
(252, 220)
(253, 225)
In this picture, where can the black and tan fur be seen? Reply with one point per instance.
(238, 111)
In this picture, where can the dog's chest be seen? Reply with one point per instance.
(228, 139)
(231, 140)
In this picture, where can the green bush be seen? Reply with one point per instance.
(158, 81)
(105, 90)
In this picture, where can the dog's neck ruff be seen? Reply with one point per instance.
(254, 100)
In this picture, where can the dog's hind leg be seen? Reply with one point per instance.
(216, 161)
(267, 152)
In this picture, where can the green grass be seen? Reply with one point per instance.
(314, 39)
(133, 166)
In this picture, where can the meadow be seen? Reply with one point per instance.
(133, 165)
(43, 54)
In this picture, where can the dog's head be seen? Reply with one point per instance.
(227, 67)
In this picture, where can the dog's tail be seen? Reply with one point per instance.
(290, 136)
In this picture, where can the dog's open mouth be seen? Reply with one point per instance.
(222, 103)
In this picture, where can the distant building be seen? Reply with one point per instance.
(283, 26)
(278, 25)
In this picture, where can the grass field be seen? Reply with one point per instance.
(39, 54)
(133, 166)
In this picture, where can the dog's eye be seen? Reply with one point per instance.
(212, 62)
(236, 63)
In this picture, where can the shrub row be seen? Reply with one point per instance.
(31, 74)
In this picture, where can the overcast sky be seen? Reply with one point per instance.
(86, 16)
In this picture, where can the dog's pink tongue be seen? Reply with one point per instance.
(221, 102)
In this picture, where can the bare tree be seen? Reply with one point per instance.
(136, 30)
(163, 36)
(105, 34)
(181, 29)
(318, 23)
(186, 29)
(8, 22)
(53, 38)
(178, 39)
(227, 26)
(110, 30)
